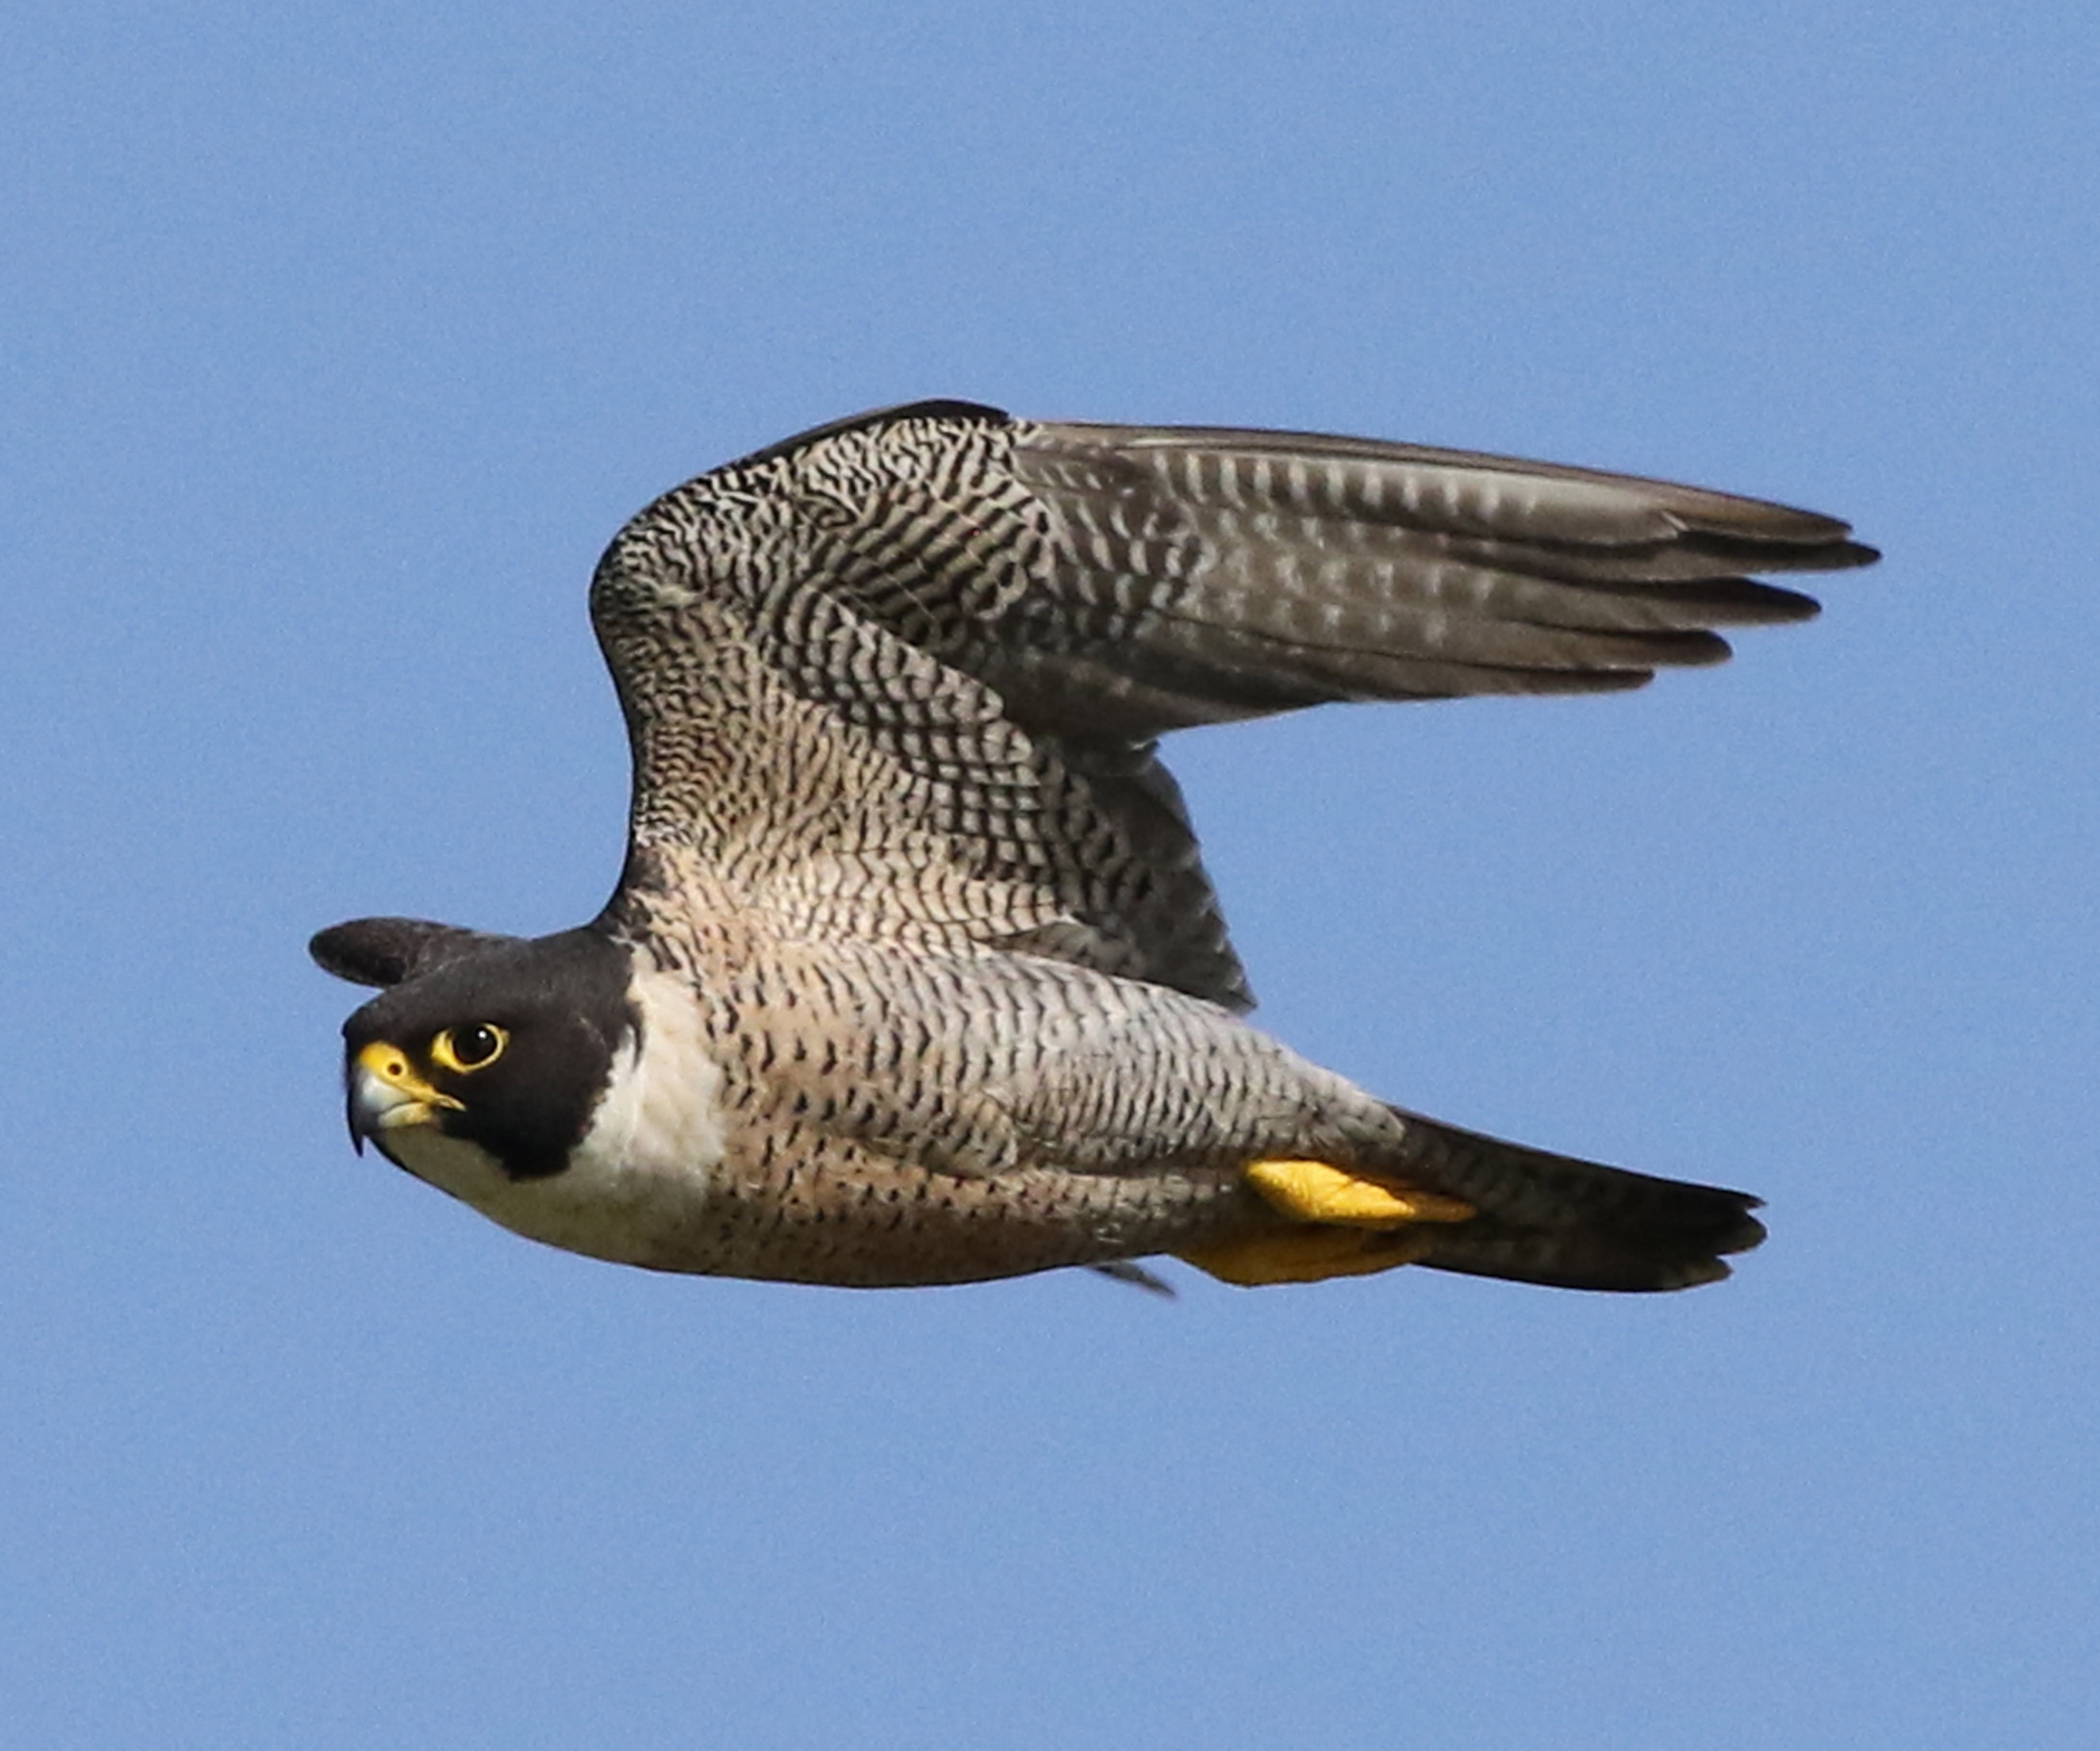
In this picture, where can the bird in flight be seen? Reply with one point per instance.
(913, 974)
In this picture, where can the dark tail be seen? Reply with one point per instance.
(1551, 1219)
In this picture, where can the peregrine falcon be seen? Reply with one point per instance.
(913, 974)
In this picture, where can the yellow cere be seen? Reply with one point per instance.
(390, 1065)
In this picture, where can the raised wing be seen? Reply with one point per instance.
(901, 678)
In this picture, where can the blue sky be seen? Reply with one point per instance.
(334, 344)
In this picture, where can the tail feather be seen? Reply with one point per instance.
(1573, 1224)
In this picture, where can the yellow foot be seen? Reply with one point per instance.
(1355, 1223)
(1313, 1191)
(1308, 1255)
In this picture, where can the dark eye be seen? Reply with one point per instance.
(468, 1048)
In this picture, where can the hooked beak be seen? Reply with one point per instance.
(385, 1093)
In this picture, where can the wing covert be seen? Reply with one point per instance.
(902, 677)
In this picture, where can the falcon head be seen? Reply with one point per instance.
(483, 1052)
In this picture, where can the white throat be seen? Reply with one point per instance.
(643, 1172)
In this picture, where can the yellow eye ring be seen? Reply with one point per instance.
(474, 1046)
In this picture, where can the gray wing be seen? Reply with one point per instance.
(902, 676)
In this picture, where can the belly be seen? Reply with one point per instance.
(843, 1215)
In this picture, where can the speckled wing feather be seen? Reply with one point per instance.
(900, 679)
